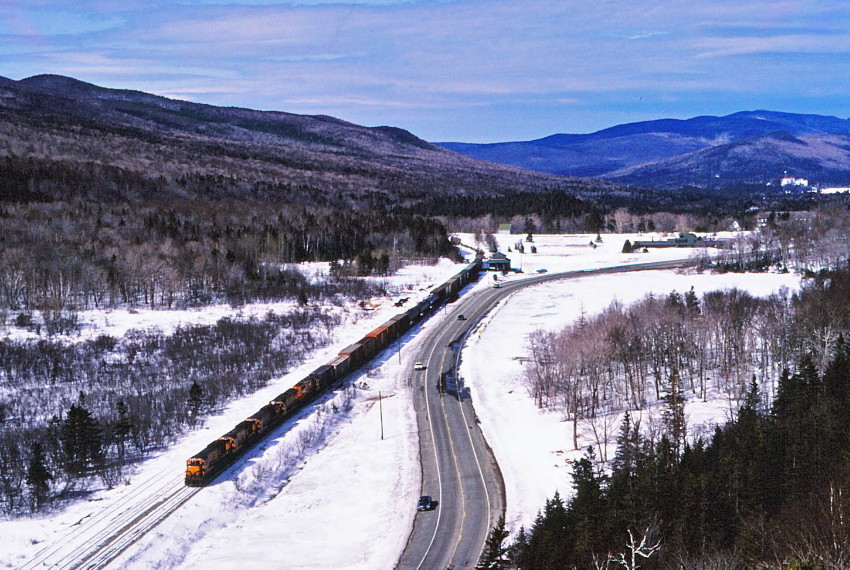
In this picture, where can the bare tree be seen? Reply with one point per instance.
(637, 549)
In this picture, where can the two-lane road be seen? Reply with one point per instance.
(458, 469)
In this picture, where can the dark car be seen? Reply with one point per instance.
(461, 318)
(425, 503)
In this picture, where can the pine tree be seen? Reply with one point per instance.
(675, 300)
(836, 395)
(692, 303)
(383, 264)
(586, 509)
(303, 301)
(549, 540)
(673, 415)
(123, 428)
(518, 551)
(529, 229)
(82, 442)
(38, 476)
(622, 488)
(195, 402)
(493, 555)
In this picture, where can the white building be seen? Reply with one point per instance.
(791, 181)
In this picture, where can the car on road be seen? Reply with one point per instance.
(542, 270)
(461, 318)
(419, 366)
(425, 503)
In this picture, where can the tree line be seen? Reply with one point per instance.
(583, 209)
(628, 358)
(80, 255)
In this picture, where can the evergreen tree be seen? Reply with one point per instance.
(797, 414)
(673, 414)
(195, 402)
(586, 508)
(549, 539)
(836, 394)
(529, 228)
(365, 264)
(82, 442)
(694, 528)
(493, 555)
(675, 300)
(383, 264)
(622, 490)
(38, 476)
(518, 551)
(123, 428)
(303, 301)
(692, 303)
(767, 487)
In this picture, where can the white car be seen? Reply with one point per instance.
(419, 366)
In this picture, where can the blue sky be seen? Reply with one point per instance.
(450, 70)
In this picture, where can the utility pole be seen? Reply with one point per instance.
(381, 413)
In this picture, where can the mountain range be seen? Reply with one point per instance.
(62, 137)
(746, 147)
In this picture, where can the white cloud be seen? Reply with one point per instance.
(440, 56)
(797, 43)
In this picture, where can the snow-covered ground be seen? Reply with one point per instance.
(325, 491)
(411, 281)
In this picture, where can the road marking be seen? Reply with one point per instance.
(472, 445)
(436, 459)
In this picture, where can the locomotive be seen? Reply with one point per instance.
(203, 467)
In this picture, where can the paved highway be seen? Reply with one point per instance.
(458, 469)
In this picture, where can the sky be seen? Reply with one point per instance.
(450, 70)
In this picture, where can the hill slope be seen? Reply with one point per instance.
(823, 159)
(61, 136)
(634, 152)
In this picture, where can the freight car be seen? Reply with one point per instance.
(202, 467)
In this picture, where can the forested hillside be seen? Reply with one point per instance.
(63, 138)
(112, 197)
(68, 256)
(749, 147)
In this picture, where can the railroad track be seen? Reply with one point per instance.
(100, 537)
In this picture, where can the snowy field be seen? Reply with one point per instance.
(325, 491)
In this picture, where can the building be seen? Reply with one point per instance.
(685, 239)
(498, 262)
(791, 181)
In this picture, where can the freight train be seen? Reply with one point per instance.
(203, 467)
